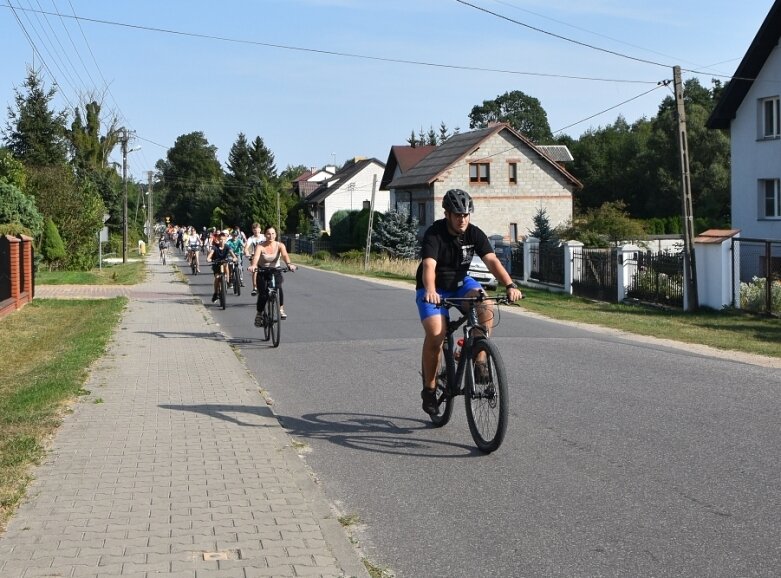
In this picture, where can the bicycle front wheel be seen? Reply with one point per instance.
(444, 398)
(273, 320)
(223, 290)
(486, 396)
(235, 280)
(192, 264)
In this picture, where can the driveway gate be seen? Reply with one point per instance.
(594, 274)
(758, 263)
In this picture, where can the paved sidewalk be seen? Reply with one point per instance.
(173, 465)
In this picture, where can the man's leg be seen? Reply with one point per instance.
(435, 328)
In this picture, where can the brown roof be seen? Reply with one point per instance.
(715, 235)
(403, 157)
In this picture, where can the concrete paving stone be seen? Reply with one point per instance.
(231, 573)
(270, 571)
(51, 573)
(122, 558)
(316, 570)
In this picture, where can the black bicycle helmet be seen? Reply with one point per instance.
(458, 201)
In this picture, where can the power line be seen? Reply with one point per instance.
(585, 44)
(350, 54)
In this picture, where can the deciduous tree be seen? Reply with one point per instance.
(522, 112)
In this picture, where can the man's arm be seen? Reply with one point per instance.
(429, 273)
(495, 266)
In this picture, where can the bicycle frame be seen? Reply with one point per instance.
(455, 373)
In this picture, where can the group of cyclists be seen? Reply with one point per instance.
(228, 248)
(447, 249)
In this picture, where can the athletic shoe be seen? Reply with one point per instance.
(429, 397)
(259, 319)
(282, 314)
(254, 292)
(214, 298)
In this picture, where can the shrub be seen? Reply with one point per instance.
(18, 208)
(752, 295)
(52, 247)
(321, 256)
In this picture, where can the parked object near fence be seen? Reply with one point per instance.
(17, 283)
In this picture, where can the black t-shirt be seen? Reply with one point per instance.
(220, 253)
(453, 253)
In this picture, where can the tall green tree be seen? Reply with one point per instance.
(34, 132)
(75, 207)
(191, 178)
(522, 112)
(89, 148)
(18, 208)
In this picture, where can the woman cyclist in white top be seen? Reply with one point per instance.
(269, 254)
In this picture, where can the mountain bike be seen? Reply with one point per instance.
(193, 259)
(236, 277)
(222, 285)
(463, 372)
(271, 315)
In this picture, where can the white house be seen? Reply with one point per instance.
(750, 107)
(349, 189)
(508, 176)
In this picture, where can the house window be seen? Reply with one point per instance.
(769, 189)
(512, 170)
(422, 213)
(479, 172)
(771, 118)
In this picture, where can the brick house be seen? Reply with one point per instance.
(508, 176)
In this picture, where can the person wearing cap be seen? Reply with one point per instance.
(220, 252)
(237, 246)
(446, 253)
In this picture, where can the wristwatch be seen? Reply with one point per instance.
(511, 286)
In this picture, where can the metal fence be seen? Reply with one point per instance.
(301, 245)
(658, 278)
(595, 274)
(758, 265)
(516, 261)
(547, 263)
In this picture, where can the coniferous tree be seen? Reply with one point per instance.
(412, 140)
(52, 247)
(431, 137)
(396, 235)
(542, 229)
(18, 208)
(34, 132)
(443, 132)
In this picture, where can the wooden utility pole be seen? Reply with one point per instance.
(371, 222)
(151, 213)
(124, 140)
(687, 214)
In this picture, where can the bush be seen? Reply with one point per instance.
(52, 247)
(16, 207)
(752, 295)
(321, 256)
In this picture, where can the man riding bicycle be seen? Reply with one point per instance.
(446, 253)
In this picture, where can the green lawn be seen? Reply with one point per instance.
(120, 274)
(45, 363)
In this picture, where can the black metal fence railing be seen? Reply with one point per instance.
(516, 261)
(758, 263)
(306, 246)
(595, 274)
(547, 263)
(658, 278)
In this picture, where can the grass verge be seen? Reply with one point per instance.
(50, 348)
(728, 329)
(120, 274)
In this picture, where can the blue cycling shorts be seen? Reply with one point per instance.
(426, 309)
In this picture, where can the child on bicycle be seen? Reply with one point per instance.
(236, 243)
(446, 253)
(220, 252)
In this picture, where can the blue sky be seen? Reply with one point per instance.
(312, 108)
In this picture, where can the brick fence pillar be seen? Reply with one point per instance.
(26, 275)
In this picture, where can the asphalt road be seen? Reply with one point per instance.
(622, 458)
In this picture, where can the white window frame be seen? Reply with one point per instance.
(770, 198)
(770, 117)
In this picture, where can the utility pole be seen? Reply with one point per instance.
(124, 140)
(687, 216)
(371, 222)
(151, 216)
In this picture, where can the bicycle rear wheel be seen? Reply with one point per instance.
(163, 257)
(223, 290)
(444, 399)
(273, 320)
(236, 282)
(192, 264)
(486, 397)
